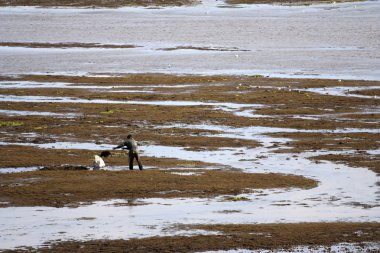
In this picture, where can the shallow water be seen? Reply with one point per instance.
(279, 41)
(35, 113)
(224, 106)
(242, 110)
(338, 197)
(61, 85)
(343, 91)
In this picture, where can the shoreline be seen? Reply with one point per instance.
(257, 127)
(157, 4)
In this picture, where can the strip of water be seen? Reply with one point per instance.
(224, 106)
(343, 91)
(35, 113)
(61, 85)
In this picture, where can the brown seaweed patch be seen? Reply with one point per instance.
(221, 49)
(97, 3)
(369, 92)
(63, 45)
(65, 167)
(83, 186)
(283, 2)
(232, 237)
(356, 160)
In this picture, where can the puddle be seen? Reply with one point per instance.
(188, 173)
(65, 145)
(17, 170)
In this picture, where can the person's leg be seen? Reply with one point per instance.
(131, 156)
(138, 160)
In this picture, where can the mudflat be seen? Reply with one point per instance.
(61, 122)
(107, 108)
(285, 237)
(96, 3)
(70, 188)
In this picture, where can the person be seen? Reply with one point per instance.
(131, 145)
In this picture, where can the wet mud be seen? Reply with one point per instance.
(63, 45)
(263, 102)
(199, 136)
(222, 49)
(235, 163)
(97, 3)
(285, 2)
(70, 186)
(148, 3)
(273, 237)
(355, 145)
(40, 157)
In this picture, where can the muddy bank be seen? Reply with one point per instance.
(146, 3)
(278, 100)
(24, 156)
(303, 142)
(97, 3)
(245, 237)
(69, 188)
(355, 146)
(359, 159)
(285, 2)
(241, 123)
(63, 45)
(159, 117)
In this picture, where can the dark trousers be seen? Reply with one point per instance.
(134, 155)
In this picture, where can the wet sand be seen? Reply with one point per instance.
(98, 3)
(234, 160)
(71, 188)
(143, 3)
(181, 123)
(284, 238)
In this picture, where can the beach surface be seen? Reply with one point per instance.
(257, 125)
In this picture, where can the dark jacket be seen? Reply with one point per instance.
(130, 144)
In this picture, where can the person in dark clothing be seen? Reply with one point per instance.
(131, 145)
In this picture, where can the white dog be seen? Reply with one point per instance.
(98, 163)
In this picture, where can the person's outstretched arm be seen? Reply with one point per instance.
(120, 146)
